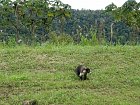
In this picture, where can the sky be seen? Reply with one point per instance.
(92, 4)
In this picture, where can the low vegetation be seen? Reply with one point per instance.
(46, 74)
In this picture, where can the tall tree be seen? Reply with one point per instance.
(129, 13)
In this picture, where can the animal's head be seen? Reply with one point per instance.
(84, 71)
(87, 70)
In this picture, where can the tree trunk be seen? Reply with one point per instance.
(33, 32)
(17, 35)
(17, 24)
(111, 33)
(62, 24)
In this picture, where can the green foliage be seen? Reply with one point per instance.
(62, 39)
(36, 18)
(11, 42)
(53, 38)
(31, 15)
(129, 14)
(84, 41)
(94, 39)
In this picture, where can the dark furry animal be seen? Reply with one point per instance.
(81, 72)
(30, 102)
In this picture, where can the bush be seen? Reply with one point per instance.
(85, 41)
(94, 40)
(62, 39)
(11, 42)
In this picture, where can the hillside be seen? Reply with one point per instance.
(47, 75)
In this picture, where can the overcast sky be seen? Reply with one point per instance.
(92, 4)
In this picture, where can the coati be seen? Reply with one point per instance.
(81, 72)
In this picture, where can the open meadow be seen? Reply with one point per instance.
(46, 74)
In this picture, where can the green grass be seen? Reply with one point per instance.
(47, 75)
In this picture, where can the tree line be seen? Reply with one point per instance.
(41, 20)
(26, 18)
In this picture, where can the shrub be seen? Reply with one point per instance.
(84, 41)
(11, 42)
(62, 39)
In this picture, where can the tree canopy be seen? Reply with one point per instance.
(30, 15)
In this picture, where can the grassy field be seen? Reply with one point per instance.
(47, 75)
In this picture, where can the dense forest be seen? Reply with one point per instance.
(90, 22)
(29, 22)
